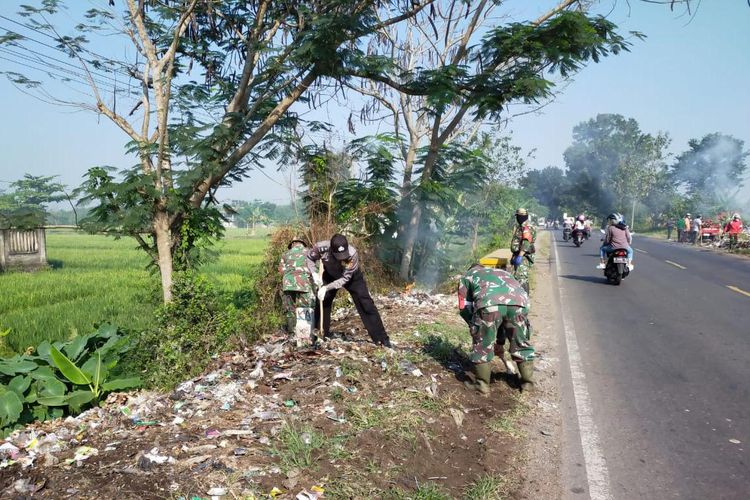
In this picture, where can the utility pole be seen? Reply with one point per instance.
(632, 216)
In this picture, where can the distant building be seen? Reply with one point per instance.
(23, 249)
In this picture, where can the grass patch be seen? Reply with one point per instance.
(508, 422)
(338, 448)
(297, 446)
(95, 278)
(364, 415)
(445, 343)
(487, 487)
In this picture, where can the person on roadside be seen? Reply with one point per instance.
(680, 229)
(297, 297)
(697, 236)
(522, 248)
(341, 270)
(616, 236)
(733, 228)
(495, 306)
(688, 234)
(670, 227)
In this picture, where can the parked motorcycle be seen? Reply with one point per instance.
(617, 266)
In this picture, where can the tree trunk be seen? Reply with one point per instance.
(252, 231)
(475, 239)
(412, 230)
(164, 252)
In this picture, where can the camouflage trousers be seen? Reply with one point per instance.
(492, 326)
(521, 273)
(292, 300)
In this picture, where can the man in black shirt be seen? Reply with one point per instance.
(341, 270)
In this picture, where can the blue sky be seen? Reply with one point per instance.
(688, 78)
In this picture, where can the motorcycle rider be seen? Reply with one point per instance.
(587, 228)
(616, 236)
(579, 225)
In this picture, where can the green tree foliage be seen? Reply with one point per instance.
(712, 169)
(612, 162)
(25, 205)
(216, 81)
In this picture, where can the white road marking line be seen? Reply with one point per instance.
(597, 473)
(675, 264)
(738, 290)
(639, 250)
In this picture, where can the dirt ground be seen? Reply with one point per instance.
(543, 425)
(348, 419)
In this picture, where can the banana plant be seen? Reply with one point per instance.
(93, 374)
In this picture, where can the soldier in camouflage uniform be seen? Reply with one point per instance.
(522, 247)
(491, 301)
(297, 294)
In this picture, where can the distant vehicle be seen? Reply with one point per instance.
(541, 222)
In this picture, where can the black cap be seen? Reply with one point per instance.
(298, 239)
(340, 247)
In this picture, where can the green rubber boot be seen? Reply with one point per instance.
(483, 373)
(526, 373)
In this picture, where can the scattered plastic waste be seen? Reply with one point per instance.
(217, 492)
(83, 453)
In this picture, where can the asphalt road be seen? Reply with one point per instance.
(666, 358)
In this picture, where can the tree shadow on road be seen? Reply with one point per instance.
(589, 279)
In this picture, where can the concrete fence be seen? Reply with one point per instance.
(24, 249)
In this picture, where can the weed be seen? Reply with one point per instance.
(350, 369)
(487, 487)
(296, 446)
(337, 394)
(337, 448)
(507, 423)
(429, 491)
(364, 415)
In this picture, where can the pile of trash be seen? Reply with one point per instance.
(179, 430)
(220, 435)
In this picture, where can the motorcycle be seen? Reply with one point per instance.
(566, 233)
(578, 237)
(617, 266)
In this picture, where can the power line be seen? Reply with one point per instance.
(79, 74)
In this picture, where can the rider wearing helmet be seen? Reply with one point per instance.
(616, 236)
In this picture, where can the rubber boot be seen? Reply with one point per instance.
(526, 374)
(483, 373)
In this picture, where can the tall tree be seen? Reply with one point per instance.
(255, 60)
(468, 69)
(712, 168)
(611, 161)
(25, 205)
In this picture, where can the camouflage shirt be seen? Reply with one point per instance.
(490, 287)
(295, 276)
(523, 239)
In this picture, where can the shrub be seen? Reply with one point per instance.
(188, 331)
(61, 378)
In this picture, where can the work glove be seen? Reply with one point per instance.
(516, 260)
(322, 292)
(318, 280)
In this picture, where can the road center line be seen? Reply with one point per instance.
(738, 290)
(597, 474)
(675, 264)
(639, 250)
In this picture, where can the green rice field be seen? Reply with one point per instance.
(97, 278)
